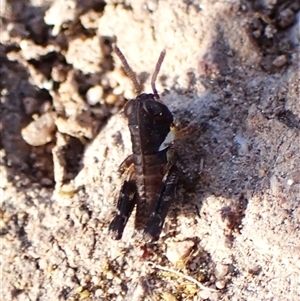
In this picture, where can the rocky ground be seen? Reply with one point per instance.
(232, 68)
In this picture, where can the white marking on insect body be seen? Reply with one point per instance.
(168, 140)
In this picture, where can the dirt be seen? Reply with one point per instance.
(231, 68)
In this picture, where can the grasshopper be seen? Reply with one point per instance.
(151, 176)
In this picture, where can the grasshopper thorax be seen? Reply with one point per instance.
(146, 112)
(149, 122)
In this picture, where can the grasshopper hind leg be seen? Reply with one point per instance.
(126, 202)
(162, 204)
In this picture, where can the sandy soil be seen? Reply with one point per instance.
(232, 68)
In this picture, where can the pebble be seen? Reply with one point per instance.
(279, 61)
(243, 145)
(94, 95)
(220, 284)
(179, 251)
(221, 270)
(111, 99)
(205, 294)
(274, 185)
(286, 18)
(214, 297)
(40, 131)
(46, 182)
(99, 293)
(84, 294)
(166, 296)
(109, 275)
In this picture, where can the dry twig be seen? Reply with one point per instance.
(189, 278)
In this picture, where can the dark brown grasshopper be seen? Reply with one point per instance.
(151, 178)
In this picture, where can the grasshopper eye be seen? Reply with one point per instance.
(129, 107)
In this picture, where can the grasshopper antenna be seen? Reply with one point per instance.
(156, 71)
(128, 70)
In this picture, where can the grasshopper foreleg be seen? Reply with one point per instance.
(126, 202)
(162, 204)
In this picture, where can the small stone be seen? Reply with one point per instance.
(120, 298)
(280, 61)
(178, 251)
(99, 293)
(269, 32)
(79, 289)
(85, 217)
(286, 18)
(255, 270)
(220, 284)
(43, 264)
(40, 131)
(256, 34)
(117, 280)
(96, 280)
(205, 294)
(221, 271)
(59, 73)
(84, 295)
(110, 275)
(111, 99)
(261, 172)
(243, 145)
(152, 5)
(168, 296)
(46, 182)
(274, 185)
(214, 297)
(94, 95)
(83, 125)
